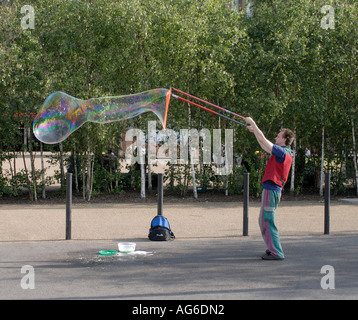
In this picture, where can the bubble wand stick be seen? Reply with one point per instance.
(207, 109)
(209, 103)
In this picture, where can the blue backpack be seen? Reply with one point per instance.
(160, 230)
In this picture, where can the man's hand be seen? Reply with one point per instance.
(251, 124)
(261, 139)
(249, 120)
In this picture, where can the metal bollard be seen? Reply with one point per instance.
(160, 194)
(68, 204)
(327, 200)
(246, 205)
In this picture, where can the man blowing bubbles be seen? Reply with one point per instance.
(275, 177)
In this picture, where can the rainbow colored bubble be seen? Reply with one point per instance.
(62, 114)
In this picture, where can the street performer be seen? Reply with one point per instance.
(275, 176)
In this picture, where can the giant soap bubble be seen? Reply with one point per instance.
(62, 114)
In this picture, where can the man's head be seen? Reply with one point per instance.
(285, 138)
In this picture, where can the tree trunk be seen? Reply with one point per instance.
(354, 155)
(142, 171)
(150, 187)
(62, 168)
(33, 172)
(28, 182)
(193, 172)
(292, 185)
(75, 166)
(322, 166)
(88, 182)
(42, 171)
(91, 179)
(84, 184)
(142, 180)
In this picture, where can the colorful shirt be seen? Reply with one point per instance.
(277, 168)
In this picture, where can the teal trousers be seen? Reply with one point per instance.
(269, 203)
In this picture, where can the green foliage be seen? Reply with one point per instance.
(178, 177)
(278, 66)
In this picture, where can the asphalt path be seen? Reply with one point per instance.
(183, 269)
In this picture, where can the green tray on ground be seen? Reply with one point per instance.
(107, 252)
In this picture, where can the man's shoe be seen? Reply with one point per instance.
(270, 257)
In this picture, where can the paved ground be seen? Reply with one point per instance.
(228, 268)
(208, 260)
(94, 221)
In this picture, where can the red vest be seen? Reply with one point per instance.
(278, 172)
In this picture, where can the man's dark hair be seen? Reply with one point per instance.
(288, 135)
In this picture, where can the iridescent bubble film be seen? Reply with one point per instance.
(62, 114)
